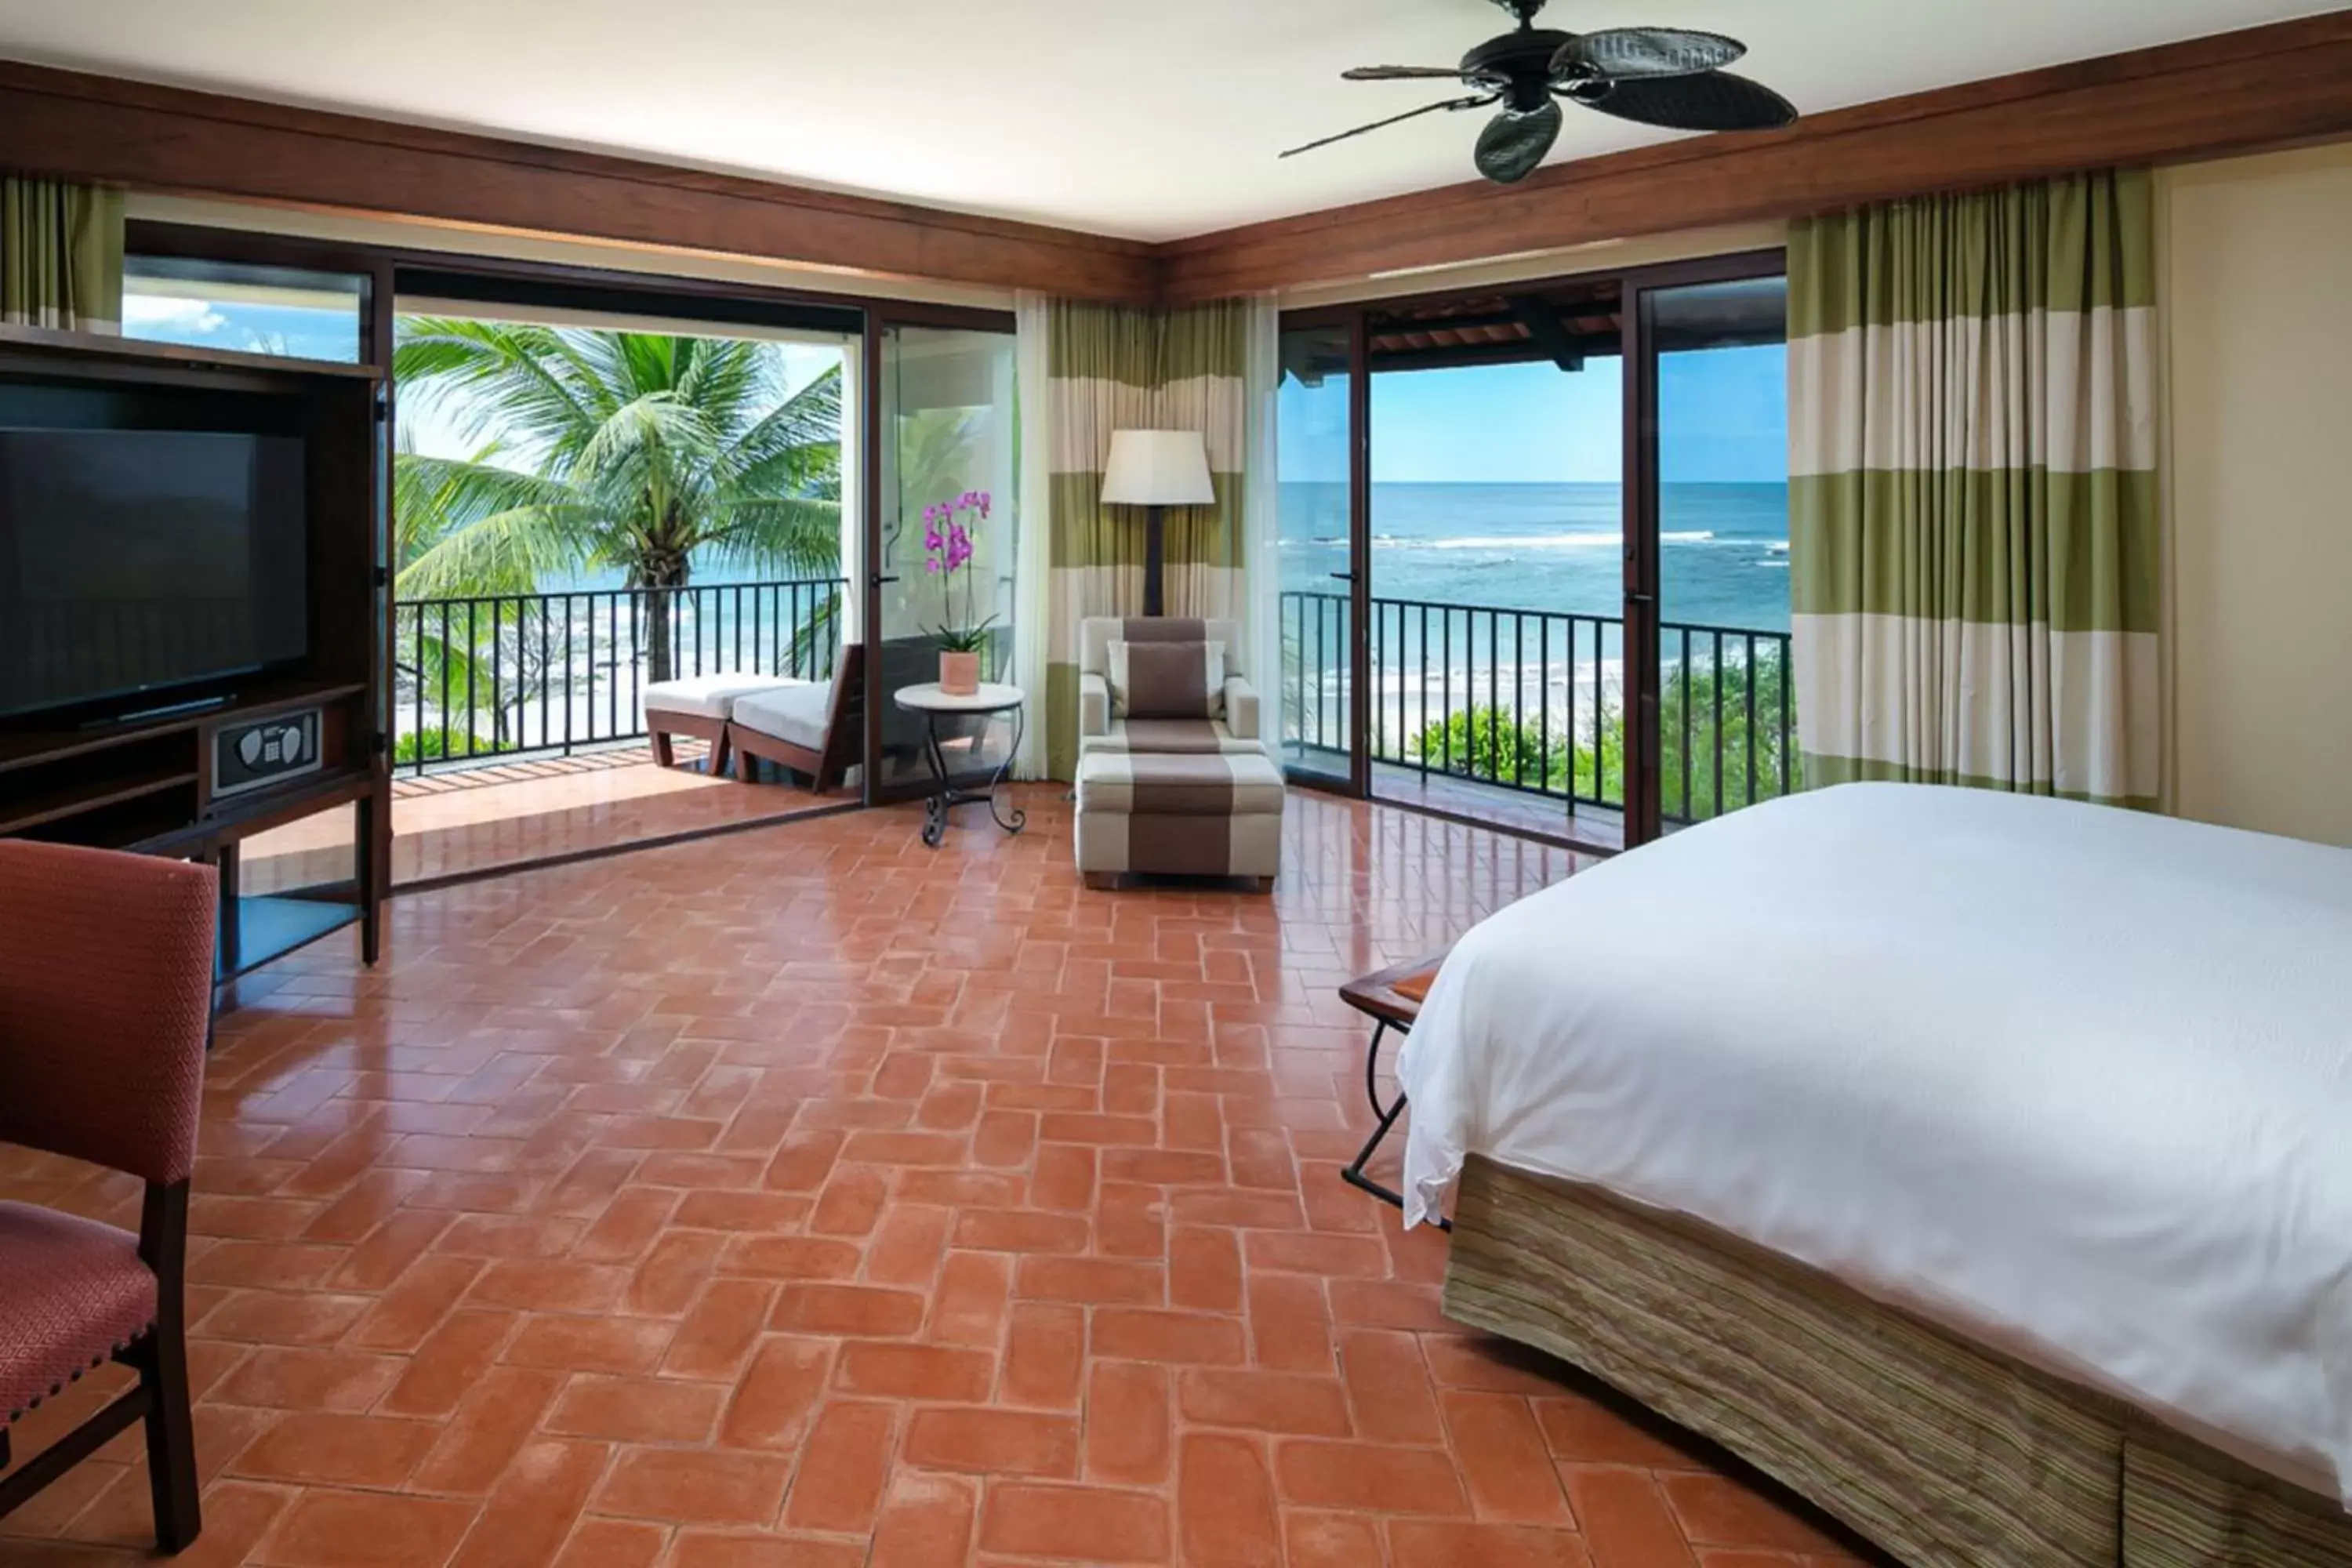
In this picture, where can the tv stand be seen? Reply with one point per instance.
(145, 785)
(144, 780)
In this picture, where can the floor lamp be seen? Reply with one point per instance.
(1156, 468)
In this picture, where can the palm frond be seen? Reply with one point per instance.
(803, 537)
(656, 449)
(468, 528)
(495, 378)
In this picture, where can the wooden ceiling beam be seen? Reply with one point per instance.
(70, 125)
(1545, 331)
(2262, 86)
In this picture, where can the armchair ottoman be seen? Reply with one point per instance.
(1204, 814)
(1173, 778)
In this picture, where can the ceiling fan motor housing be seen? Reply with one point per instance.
(1517, 64)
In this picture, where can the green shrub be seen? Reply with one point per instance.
(1497, 744)
(1694, 692)
(435, 745)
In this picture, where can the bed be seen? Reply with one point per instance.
(1981, 1165)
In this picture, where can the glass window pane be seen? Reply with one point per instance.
(948, 439)
(255, 310)
(1726, 711)
(1313, 512)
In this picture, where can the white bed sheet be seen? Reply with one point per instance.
(2076, 1082)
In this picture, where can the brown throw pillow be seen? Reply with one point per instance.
(1166, 679)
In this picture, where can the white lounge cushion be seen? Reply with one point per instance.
(709, 696)
(793, 713)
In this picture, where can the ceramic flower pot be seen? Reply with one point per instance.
(959, 673)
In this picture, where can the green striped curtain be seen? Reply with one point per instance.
(60, 256)
(1110, 368)
(1972, 455)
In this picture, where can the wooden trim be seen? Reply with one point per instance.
(72, 125)
(2235, 93)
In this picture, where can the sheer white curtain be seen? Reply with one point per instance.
(1261, 527)
(1033, 570)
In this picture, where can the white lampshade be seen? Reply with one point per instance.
(1158, 467)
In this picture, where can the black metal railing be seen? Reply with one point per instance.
(1532, 701)
(503, 674)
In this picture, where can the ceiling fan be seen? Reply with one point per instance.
(1653, 76)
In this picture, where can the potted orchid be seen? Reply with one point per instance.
(948, 529)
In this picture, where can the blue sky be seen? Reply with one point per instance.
(1723, 419)
(332, 333)
(1723, 412)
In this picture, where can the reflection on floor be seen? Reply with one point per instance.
(503, 813)
(804, 1196)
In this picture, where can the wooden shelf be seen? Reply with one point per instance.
(26, 748)
(22, 815)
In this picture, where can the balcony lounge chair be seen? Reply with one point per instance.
(698, 707)
(105, 990)
(816, 729)
(1174, 776)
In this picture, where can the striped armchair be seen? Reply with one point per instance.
(1231, 725)
(1174, 778)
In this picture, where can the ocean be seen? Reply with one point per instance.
(1554, 549)
(1723, 549)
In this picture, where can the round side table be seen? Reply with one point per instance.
(934, 704)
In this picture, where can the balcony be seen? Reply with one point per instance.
(517, 725)
(1516, 716)
(477, 680)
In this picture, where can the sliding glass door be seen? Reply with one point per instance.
(1320, 550)
(1535, 551)
(1714, 511)
(943, 429)
(1496, 517)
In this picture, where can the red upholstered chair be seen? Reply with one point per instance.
(106, 969)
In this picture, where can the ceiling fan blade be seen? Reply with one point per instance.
(1398, 73)
(1471, 102)
(1617, 54)
(1709, 101)
(1512, 144)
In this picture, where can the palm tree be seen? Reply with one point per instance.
(632, 450)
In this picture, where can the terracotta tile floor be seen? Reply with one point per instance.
(475, 819)
(803, 1198)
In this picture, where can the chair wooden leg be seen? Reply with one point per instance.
(170, 1444)
(662, 754)
(163, 1371)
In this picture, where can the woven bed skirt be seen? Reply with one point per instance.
(1945, 1454)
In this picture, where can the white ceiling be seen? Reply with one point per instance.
(1152, 119)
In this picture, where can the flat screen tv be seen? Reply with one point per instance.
(136, 562)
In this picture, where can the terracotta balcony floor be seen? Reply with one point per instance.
(466, 819)
(802, 1197)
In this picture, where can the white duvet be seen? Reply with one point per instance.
(2073, 1081)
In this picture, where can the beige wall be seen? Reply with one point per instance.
(2257, 278)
